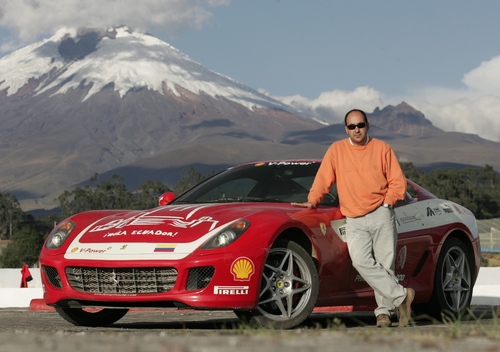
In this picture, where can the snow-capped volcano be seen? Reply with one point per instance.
(127, 59)
(121, 102)
(90, 101)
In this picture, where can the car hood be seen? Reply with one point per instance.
(169, 232)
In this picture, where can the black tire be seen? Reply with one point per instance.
(453, 282)
(103, 317)
(289, 288)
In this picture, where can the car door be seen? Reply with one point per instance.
(413, 240)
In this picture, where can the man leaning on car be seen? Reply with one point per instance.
(369, 182)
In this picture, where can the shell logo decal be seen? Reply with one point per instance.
(242, 269)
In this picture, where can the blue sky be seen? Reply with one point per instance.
(308, 47)
(322, 56)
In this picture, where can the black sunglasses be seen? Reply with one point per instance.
(359, 125)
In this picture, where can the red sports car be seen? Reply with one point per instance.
(234, 242)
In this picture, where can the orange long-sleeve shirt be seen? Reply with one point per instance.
(367, 176)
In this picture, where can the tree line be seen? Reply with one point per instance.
(27, 233)
(478, 189)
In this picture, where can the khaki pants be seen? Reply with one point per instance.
(371, 240)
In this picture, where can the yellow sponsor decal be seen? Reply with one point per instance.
(242, 268)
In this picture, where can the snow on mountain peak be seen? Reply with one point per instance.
(128, 59)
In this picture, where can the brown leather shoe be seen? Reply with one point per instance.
(383, 321)
(404, 310)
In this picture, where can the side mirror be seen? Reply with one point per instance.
(166, 198)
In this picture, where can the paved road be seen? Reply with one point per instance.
(195, 331)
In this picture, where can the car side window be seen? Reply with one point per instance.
(331, 199)
(411, 193)
(410, 196)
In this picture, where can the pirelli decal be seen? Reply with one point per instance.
(231, 290)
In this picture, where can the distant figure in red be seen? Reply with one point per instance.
(26, 276)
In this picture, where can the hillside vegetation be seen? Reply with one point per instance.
(476, 189)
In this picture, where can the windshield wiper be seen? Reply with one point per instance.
(242, 200)
(258, 199)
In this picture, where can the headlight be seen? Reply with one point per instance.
(227, 235)
(59, 235)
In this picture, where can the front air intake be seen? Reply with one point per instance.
(121, 281)
(199, 278)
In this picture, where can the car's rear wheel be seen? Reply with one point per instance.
(102, 317)
(453, 282)
(289, 288)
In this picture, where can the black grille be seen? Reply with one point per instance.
(123, 280)
(199, 278)
(53, 276)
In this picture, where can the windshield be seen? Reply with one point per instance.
(262, 182)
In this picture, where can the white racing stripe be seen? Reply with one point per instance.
(134, 250)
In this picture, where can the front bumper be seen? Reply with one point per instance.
(218, 281)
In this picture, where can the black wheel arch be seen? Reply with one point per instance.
(298, 236)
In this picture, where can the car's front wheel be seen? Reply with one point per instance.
(289, 288)
(102, 317)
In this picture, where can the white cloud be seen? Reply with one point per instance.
(30, 19)
(332, 106)
(473, 109)
(477, 116)
(485, 78)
